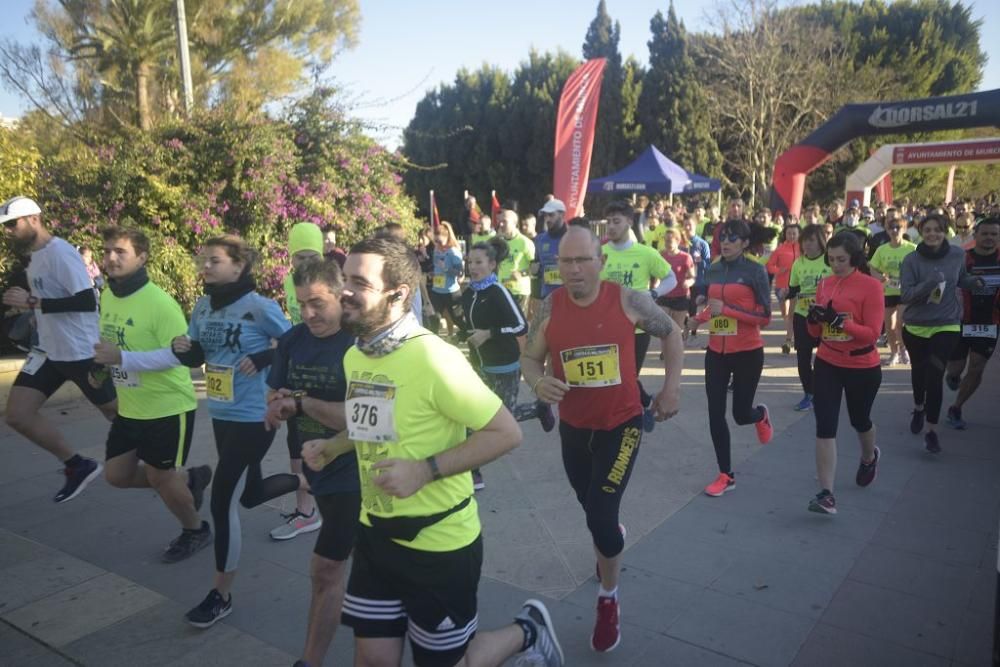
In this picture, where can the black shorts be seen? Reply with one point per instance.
(443, 302)
(982, 346)
(430, 596)
(163, 443)
(340, 513)
(674, 302)
(53, 374)
(293, 440)
(892, 301)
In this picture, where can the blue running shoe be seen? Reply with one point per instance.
(805, 404)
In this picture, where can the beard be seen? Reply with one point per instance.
(22, 244)
(365, 323)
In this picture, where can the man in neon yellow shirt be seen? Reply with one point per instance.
(637, 267)
(150, 439)
(483, 231)
(886, 261)
(410, 400)
(513, 271)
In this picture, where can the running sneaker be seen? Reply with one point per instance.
(723, 483)
(955, 419)
(917, 422)
(953, 381)
(786, 347)
(882, 340)
(893, 360)
(607, 627)
(648, 419)
(904, 358)
(823, 503)
(77, 478)
(188, 543)
(545, 649)
(764, 428)
(805, 404)
(199, 477)
(211, 610)
(546, 416)
(477, 481)
(297, 523)
(867, 472)
(931, 442)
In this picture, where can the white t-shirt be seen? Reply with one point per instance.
(57, 271)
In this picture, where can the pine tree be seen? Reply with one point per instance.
(673, 111)
(602, 40)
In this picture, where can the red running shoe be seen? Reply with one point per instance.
(764, 428)
(607, 634)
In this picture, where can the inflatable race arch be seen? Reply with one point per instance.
(915, 156)
(955, 112)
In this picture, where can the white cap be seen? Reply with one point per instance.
(18, 207)
(554, 206)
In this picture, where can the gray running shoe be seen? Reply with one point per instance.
(297, 523)
(188, 543)
(545, 651)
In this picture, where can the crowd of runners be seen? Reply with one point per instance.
(391, 417)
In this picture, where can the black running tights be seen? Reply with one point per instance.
(745, 369)
(928, 359)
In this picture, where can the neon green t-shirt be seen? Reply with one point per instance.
(414, 403)
(806, 274)
(291, 303)
(633, 267)
(654, 237)
(481, 238)
(144, 321)
(887, 260)
(522, 253)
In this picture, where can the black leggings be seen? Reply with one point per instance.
(858, 385)
(804, 346)
(928, 358)
(241, 446)
(641, 347)
(745, 369)
(598, 465)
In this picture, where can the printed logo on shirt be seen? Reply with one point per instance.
(38, 284)
(248, 317)
(129, 322)
(217, 334)
(120, 335)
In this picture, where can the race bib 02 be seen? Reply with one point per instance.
(35, 359)
(591, 366)
(552, 277)
(219, 382)
(723, 326)
(122, 378)
(979, 331)
(439, 280)
(371, 412)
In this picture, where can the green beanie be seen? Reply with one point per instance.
(305, 236)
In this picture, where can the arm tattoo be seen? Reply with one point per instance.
(650, 318)
(538, 321)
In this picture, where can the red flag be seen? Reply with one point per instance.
(495, 208)
(575, 134)
(884, 189)
(435, 216)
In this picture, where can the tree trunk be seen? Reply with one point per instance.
(142, 95)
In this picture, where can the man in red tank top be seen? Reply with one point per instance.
(588, 328)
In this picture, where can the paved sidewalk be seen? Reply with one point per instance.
(905, 574)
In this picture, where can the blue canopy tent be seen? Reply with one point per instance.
(653, 172)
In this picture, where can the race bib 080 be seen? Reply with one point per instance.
(591, 366)
(371, 412)
(723, 326)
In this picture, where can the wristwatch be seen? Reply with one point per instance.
(33, 301)
(298, 395)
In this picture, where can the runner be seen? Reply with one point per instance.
(150, 439)
(305, 244)
(886, 262)
(419, 548)
(932, 319)
(447, 273)
(588, 328)
(637, 267)
(678, 300)
(701, 253)
(847, 318)
(980, 317)
(64, 305)
(482, 231)
(230, 332)
(307, 387)
(739, 304)
(514, 272)
(779, 265)
(807, 271)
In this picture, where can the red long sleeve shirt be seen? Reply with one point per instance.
(780, 263)
(741, 284)
(860, 298)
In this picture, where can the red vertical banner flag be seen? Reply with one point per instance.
(575, 123)
(435, 216)
(884, 189)
(494, 208)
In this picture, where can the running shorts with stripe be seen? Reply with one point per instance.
(163, 443)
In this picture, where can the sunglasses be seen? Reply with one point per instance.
(11, 224)
(732, 238)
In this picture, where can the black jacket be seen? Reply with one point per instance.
(495, 309)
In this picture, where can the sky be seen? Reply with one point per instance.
(407, 48)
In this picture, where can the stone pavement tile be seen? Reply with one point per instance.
(85, 608)
(904, 572)
(15, 549)
(579, 559)
(37, 489)
(830, 646)
(650, 600)
(908, 620)
(795, 588)
(574, 625)
(933, 540)
(941, 498)
(33, 580)
(521, 527)
(239, 650)
(29, 514)
(538, 567)
(669, 651)
(19, 650)
(681, 557)
(975, 641)
(984, 589)
(563, 524)
(550, 494)
(732, 626)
